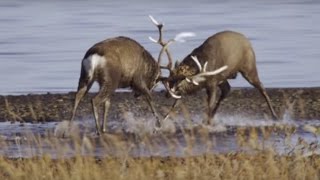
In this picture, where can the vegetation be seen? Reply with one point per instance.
(74, 157)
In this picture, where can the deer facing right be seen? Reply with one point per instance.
(116, 63)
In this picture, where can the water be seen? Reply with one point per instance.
(43, 42)
(178, 137)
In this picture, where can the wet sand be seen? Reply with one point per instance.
(303, 104)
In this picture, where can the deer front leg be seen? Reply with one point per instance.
(225, 89)
(141, 87)
(212, 94)
(174, 105)
(150, 102)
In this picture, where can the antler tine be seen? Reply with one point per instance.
(217, 71)
(195, 59)
(163, 44)
(203, 72)
(159, 26)
(201, 76)
(154, 20)
(153, 40)
(165, 49)
(205, 66)
(179, 37)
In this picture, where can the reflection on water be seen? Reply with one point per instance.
(42, 43)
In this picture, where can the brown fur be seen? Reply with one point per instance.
(126, 64)
(224, 48)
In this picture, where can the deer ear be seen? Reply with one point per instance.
(176, 64)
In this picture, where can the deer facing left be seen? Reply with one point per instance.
(116, 63)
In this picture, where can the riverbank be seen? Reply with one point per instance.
(302, 103)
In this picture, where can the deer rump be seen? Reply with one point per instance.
(227, 49)
(120, 61)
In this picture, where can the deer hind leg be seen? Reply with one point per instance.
(253, 79)
(83, 88)
(103, 96)
(105, 115)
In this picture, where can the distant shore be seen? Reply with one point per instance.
(301, 103)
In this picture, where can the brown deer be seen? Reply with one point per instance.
(229, 52)
(116, 63)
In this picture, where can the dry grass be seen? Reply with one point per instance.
(260, 163)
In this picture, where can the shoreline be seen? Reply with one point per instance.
(301, 103)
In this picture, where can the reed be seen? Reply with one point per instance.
(75, 157)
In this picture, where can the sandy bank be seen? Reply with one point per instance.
(302, 103)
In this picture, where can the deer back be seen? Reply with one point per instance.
(224, 48)
(124, 59)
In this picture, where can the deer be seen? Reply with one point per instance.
(190, 75)
(209, 66)
(117, 62)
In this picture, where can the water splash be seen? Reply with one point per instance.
(65, 129)
(146, 125)
(245, 121)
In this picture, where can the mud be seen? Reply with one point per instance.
(303, 104)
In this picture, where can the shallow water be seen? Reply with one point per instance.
(42, 42)
(135, 137)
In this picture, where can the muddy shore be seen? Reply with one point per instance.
(302, 104)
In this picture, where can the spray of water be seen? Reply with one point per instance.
(64, 129)
(146, 125)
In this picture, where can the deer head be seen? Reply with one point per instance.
(181, 78)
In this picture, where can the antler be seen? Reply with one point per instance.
(162, 43)
(179, 37)
(203, 72)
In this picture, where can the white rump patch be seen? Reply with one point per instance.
(92, 62)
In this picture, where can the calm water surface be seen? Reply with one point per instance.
(42, 42)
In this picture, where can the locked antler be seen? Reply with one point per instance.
(203, 72)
